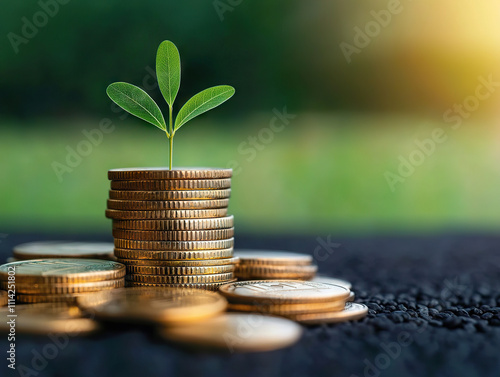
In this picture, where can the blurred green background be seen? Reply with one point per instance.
(356, 114)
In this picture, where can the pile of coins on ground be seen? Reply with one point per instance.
(270, 264)
(307, 302)
(59, 280)
(81, 296)
(171, 228)
(193, 317)
(62, 249)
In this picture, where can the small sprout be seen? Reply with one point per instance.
(168, 71)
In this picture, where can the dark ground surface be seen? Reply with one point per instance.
(435, 311)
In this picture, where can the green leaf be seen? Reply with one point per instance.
(168, 71)
(137, 102)
(202, 102)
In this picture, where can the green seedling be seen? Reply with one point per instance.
(168, 71)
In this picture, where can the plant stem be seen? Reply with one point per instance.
(171, 138)
(171, 151)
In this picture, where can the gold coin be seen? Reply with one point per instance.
(62, 249)
(181, 224)
(174, 245)
(170, 195)
(130, 174)
(329, 280)
(271, 257)
(44, 319)
(4, 298)
(237, 332)
(166, 214)
(147, 304)
(174, 184)
(174, 235)
(133, 205)
(54, 288)
(282, 291)
(351, 297)
(69, 298)
(179, 263)
(353, 311)
(256, 272)
(207, 286)
(166, 270)
(173, 255)
(180, 279)
(281, 309)
(62, 270)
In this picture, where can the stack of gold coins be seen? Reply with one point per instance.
(59, 280)
(307, 302)
(171, 227)
(270, 264)
(62, 249)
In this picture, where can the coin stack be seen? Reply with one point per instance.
(171, 228)
(59, 280)
(270, 264)
(307, 302)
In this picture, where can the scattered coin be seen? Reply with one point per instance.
(271, 257)
(174, 235)
(163, 305)
(42, 319)
(134, 205)
(69, 298)
(174, 245)
(282, 309)
(255, 272)
(165, 173)
(178, 224)
(353, 311)
(168, 270)
(329, 280)
(55, 288)
(282, 291)
(63, 249)
(166, 214)
(63, 270)
(4, 298)
(174, 184)
(264, 333)
(170, 195)
(173, 255)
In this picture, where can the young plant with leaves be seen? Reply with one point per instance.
(168, 71)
